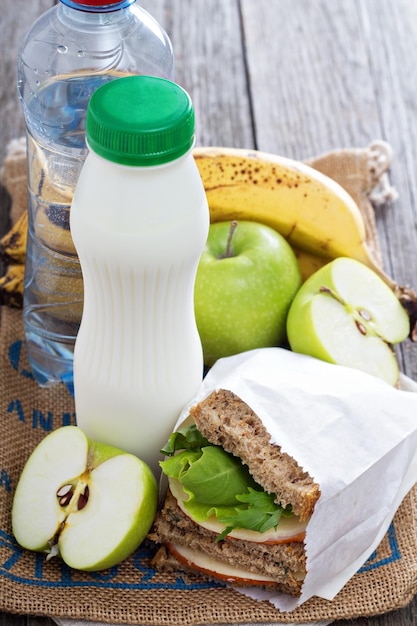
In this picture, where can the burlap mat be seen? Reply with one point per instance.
(133, 592)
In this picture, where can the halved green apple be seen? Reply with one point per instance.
(345, 314)
(91, 503)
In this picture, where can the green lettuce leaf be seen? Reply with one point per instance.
(211, 476)
(219, 484)
(261, 514)
(188, 438)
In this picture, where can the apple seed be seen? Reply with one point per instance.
(83, 498)
(365, 314)
(64, 494)
(360, 327)
(64, 500)
(64, 490)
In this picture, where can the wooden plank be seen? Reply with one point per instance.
(22, 620)
(311, 85)
(207, 40)
(14, 620)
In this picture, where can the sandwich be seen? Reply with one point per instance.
(236, 507)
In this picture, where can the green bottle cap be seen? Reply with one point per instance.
(140, 120)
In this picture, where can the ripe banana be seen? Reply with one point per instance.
(312, 211)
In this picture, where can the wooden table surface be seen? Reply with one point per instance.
(293, 77)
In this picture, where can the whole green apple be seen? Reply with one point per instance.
(88, 502)
(246, 279)
(345, 314)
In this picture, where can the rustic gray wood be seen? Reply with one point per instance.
(294, 77)
(208, 43)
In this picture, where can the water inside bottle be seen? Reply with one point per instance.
(53, 296)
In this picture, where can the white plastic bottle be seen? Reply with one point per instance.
(139, 221)
(71, 49)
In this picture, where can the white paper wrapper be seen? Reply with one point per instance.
(354, 434)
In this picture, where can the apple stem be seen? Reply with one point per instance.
(229, 253)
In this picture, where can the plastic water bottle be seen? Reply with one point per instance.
(139, 220)
(69, 52)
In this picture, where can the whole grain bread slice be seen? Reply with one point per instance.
(225, 420)
(285, 563)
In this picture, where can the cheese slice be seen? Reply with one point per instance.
(289, 528)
